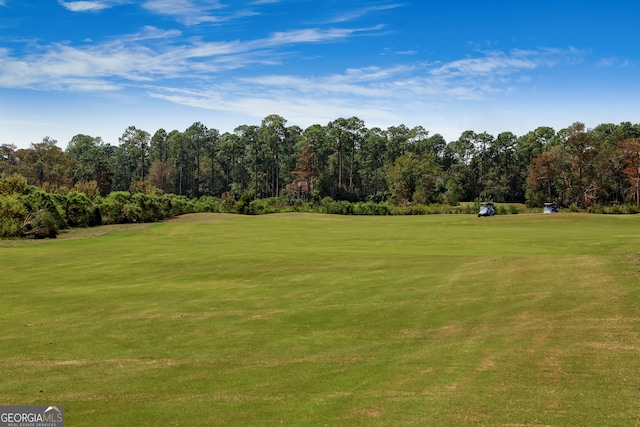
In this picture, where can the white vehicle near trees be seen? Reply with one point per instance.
(486, 209)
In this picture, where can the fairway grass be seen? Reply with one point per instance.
(313, 320)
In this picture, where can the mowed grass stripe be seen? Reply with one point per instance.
(317, 319)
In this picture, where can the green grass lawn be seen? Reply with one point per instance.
(328, 320)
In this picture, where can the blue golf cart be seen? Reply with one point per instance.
(486, 209)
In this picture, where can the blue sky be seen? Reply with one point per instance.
(98, 66)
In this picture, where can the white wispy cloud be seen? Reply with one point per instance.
(123, 62)
(310, 35)
(613, 62)
(355, 14)
(188, 12)
(194, 12)
(505, 63)
(149, 32)
(89, 6)
(494, 63)
(381, 94)
(182, 7)
(607, 62)
(302, 109)
(465, 79)
(152, 53)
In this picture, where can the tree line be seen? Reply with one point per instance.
(345, 160)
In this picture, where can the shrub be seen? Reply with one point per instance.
(631, 209)
(242, 206)
(370, 208)
(417, 209)
(39, 200)
(176, 205)
(109, 211)
(597, 209)
(258, 207)
(339, 207)
(79, 210)
(209, 204)
(131, 213)
(111, 208)
(615, 209)
(150, 210)
(40, 224)
(13, 184)
(12, 214)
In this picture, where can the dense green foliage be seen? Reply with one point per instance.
(313, 320)
(30, 212)
(345, 160)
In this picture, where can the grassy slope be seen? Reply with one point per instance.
(329, 320)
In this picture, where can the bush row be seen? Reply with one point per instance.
(30, 212)
(614, 209)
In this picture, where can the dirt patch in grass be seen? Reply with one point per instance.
(366, 412)
(485, 365)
